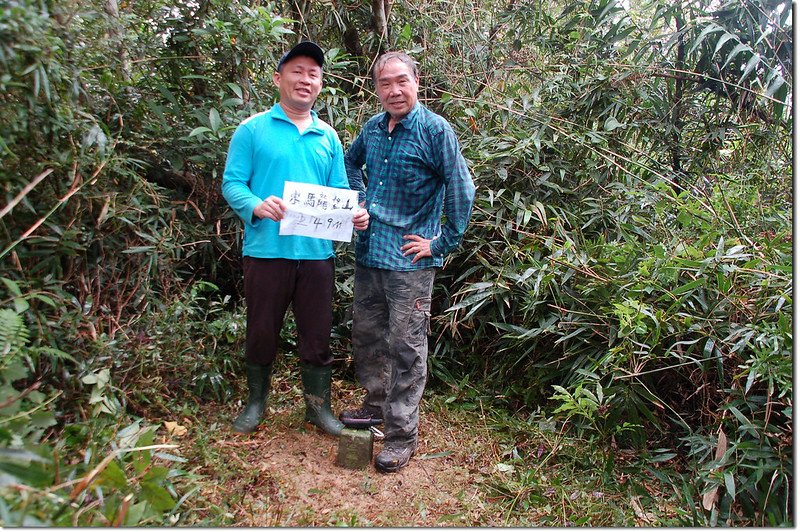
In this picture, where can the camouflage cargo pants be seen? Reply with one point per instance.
(391, 317)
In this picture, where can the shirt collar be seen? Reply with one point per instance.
(278, 112)
(408, 122)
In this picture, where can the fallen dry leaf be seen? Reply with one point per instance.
(175, 429)
(640, 512)
(710, 497)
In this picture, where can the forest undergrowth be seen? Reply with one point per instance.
(611, 343)
(477, 466)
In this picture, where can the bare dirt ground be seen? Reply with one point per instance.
(285, 474)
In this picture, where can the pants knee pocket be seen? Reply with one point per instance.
(419, 320)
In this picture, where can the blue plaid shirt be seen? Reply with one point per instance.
(414, 174)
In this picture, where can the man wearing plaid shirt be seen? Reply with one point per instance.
(415, 173)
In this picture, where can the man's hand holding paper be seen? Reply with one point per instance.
(321, 212)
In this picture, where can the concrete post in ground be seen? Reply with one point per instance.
(355, 449)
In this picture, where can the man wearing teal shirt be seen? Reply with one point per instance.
(288, 142)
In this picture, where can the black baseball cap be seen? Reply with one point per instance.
(306, 48)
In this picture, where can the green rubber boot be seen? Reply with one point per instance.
(317, 391)
(258, 384)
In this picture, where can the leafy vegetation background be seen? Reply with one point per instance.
(627, 273)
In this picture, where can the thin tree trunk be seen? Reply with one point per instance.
(117, 34)
(677, 106)
(380, 20)
(299, 10)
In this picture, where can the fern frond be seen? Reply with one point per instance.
(14, 333)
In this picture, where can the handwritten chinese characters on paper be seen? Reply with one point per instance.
(318, 211)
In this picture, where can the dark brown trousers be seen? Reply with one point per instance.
(270, 285)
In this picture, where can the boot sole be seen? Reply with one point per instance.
(335, 432)
(241, 428)
(360, 423)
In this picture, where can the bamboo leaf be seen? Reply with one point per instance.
(751, 64)
(157, 496)
(722, 40)
(688, 287)
(730, 484)
(708, 30)
(741, 47)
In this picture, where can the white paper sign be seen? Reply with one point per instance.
(318, 212)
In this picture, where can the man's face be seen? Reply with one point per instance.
(299, 82)
(397, 88)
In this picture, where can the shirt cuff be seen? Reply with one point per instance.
(251, 207)
(436, 252)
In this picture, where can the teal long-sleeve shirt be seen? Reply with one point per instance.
(265, 151)
(415, 173)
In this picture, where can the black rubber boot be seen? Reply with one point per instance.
(258, 384)
(317, 392)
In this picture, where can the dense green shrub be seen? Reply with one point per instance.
(646, 298)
